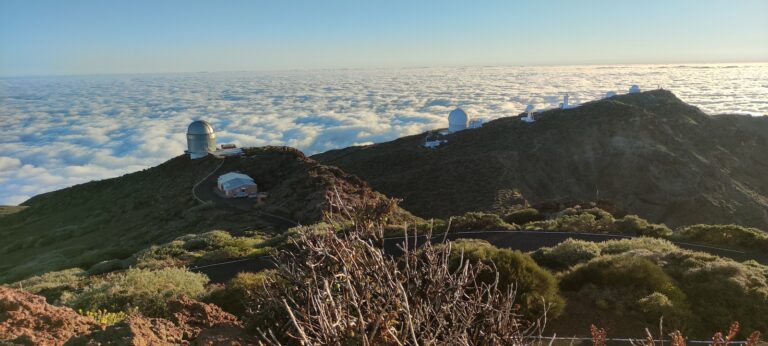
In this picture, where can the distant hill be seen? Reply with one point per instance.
(114, 218)
(649, 153)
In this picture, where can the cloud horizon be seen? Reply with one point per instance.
(62, 131)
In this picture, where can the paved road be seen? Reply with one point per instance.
(523, 241)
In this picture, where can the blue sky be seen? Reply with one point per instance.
(94, 37)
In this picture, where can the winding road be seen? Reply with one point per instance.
(522, 241)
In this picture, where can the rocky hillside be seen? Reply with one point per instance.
(112, 219)
(28, 320)
(649, 153)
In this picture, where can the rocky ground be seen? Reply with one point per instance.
(26, 319)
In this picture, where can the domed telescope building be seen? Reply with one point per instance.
(457, 120)
(201, 140)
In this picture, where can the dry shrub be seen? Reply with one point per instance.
(599, 335)
(341, 289)
(718, 339)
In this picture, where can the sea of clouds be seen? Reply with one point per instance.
(60, 131)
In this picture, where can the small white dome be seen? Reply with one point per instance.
(634, 89)
(458, 120)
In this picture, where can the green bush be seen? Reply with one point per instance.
(213, 239)
(532, 282)
(631, 276)
(567, 254)
(52, 285)
(723, 290)
(523, 216)
(656, 231)
(544, 225)
(477, 221)
(656, 306)
(726, 236)
(224, 253)
(146, 290)
(583, 223)
(234, 296)
(612, 247)
(162, 256)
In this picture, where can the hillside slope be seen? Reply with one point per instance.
(649, 153)
(114, 218)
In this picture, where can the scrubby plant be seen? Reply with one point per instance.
(477, 221)
(341, 289)
(566, 254)
(617, 246)
(233, 296)
(212, 239)
(657, 305)
(534, 285)
(724, 290)
(523, 216)
(726, 236)
(161, 256)
(636, 226)
(619, 282)
(104, 317)
(224, 253)
(146, 290)
(52, 285)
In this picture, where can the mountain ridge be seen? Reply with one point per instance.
(649, 153)
(82, 225)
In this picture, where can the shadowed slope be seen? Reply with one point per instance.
(650, 153)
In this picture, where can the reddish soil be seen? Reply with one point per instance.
(27, 319)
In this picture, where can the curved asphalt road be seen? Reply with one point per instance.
(522, 241)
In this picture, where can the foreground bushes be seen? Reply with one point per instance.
(201, 248)
(340, 289)
(694, 291)
(732, 236)
(52, 285)
(142, 289)
(476, 221)
(533, 284)
(567, 254)
(637, 277)
(234, 296)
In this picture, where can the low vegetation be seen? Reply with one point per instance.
(233, 297)
(477, 221)
(105, 317)
(646, 278)
(147, 291)
(731, 236)
(204, 248)
(382, 300)
(536, 287)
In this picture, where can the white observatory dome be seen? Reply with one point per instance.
(201, 139)
(457, 120)
(634, 89)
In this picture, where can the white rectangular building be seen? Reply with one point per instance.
(235, 184)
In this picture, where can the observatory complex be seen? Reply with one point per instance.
(201, 140)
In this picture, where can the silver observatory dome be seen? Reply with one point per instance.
(201, 139)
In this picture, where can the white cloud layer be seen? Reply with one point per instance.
(60, 131)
